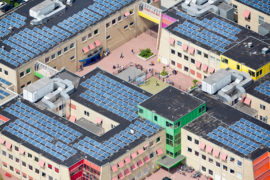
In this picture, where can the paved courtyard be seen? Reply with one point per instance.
(143, 41)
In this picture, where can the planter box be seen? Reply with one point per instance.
(145, 59)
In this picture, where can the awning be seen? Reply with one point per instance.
(98, 43)
(202, 145)
(114, 168)
(198, 64)
(127, 160)
(121, 176)
(98, 120)
(191, 50)
(159, 151)
(127, 172)
(146, 145)
(134, 155)
(2, 141)
(114, 178)
(8, 145)
(246, 14)
(156, 0)
(247, 101)
(85, 49)
(41, 163)
(209, 149)
(140, 163)
(72, 118)
(204, 67)
(134, 167)
(121, 164)
(211, 70)
(140, 151)
(223, 156)
(146, 159)
(127, 14)
(216, 152)
(91, 46)
(21, 151)
(185, 47)
(172, 41)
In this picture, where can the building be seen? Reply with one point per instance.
(103, 138)
(251, 14)
(61, 34)
(171, 109)
(193, 41)
(258, 98)
(225, 143)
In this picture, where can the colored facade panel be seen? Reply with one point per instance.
(261, 167)
(166, 20)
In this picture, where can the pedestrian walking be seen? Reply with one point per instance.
(121, 55)
(132, 51)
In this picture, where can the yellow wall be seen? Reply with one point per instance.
(232, 64)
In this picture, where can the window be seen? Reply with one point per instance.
(210, 160)
(71, 45)
(4, 164)
(6, 72)
(108, 24)
(217, 164)
(23, 163)
(155, 118)
(203, 157)
(199, 52)
(151, 155)
(119, 18)
(24, 175)
(192, 61)
(262, 107)
(225, 61)
(169, 139)
(261, 20)
(126, 26)
(37, 171)
(86, 113)
(28, 70)
(43, 174)
(17, 160)
(72, 57)
(108, 37)
(203, 168)
(47, 59)
(96, 32)
(197, 153)
(56, 170)
(65, 49)
(11, 168)
(36, 159)
(83, 38)
(189, 149)
(196, 141)
(186, 69)
(252, 73)
(239, 163)
(232, 159)
(4, 153)
(179, 54)
(177, 139)
(22, 86)
(225, 168)
(140, 110)
(179, 43)
(210, 171)
(59, 52)
(178, 124)
(205, 55)
(172, 51)
(53, 56)
(0, 69)
(232, 171)
(189, 138)
(113, 21)
(49, 166)
(168, 124)
(89, 35)
(148, 1)
(17, 171)
(186, 57)
(30, 167)
(22, 74)
(173, 62)
(131, 11)
(50, 178)
(158, 139)
(131, 24)
(29, 155)
(238, 67)
(10, 156)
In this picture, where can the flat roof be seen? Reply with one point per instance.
(260, 5)
(231, 129)
(260, 88)
(251, 57)
(25, 41)
(209, 31)
(172, 103)
(65, 142)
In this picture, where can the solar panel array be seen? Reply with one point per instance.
(112, 96)
(242, 143)
(42, 131)
(102, 151)
(264, 88)
(5, 82)
(3, 94)
(216, 36)
(29, 43)
(262, 5)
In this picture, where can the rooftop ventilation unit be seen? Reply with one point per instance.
(265, 50)
(250, 44)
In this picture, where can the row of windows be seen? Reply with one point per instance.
(27, 71)
(22, 86)
(90, 35)
(232, 171)
(59, 53)
(5, 71)
(114, 21)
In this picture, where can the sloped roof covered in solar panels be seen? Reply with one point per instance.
(25, 41)
(261, 5)
(66, 143)
(261, 88)
(231, 129)
(110, 95)
(209, 31)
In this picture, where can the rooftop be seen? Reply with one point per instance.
(209, 31)
(261, 88)
(24, 41)
(251, 57)
(231, 129)
(172, 103)
(260, 5)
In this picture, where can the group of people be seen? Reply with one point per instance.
(122, 56)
